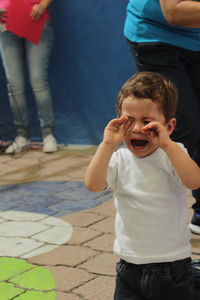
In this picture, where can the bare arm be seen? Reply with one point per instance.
(181, 12)
(95, 178)
(186, 168)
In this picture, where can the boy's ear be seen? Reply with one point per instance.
(171, 125)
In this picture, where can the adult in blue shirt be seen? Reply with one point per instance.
(164, 37)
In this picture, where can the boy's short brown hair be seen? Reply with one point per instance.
(153, 86)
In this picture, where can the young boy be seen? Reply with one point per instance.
(149, 178)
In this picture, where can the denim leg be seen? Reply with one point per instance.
(174, 281)
(158, 281)
(128, 282)
(12, 52)
(183, 68)
(37, 59)
(196, 275)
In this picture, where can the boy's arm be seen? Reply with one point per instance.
(186, 168)
(95, 178)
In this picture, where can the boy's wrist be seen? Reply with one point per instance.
(168, 146)
(109, 146)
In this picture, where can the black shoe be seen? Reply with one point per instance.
(195, 223)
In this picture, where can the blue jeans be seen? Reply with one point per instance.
(14, 51)
(160, 281)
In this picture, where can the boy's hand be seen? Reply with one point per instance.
(157, 133)
(115, 131)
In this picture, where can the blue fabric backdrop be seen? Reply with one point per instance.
(89, 62)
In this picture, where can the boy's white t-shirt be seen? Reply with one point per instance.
(151, 219)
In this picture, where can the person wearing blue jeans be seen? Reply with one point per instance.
(14, 51)
(163, 37)
(149, 177)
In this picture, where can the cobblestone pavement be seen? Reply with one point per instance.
(56, 238)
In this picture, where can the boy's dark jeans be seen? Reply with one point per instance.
(176, 280)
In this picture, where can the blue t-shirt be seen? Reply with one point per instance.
(145, 23)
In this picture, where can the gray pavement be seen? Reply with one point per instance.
(56, 238)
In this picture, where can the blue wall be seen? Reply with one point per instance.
(90, 61)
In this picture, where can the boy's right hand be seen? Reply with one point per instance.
(115, 131)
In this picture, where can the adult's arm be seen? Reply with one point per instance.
(181, 12)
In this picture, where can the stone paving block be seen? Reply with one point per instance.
(66, 296)
(82, 219)
(69, 278)
(102, 264)
(195, 253)
(67, 206)
(23, 229)
(39, 251)
(65, 255)
(106, 209)
(8, 291)
(55, 222)
(24, 163)
(54, 168)
(14, 215)
(10, 267)
(78, 174)
(78, 191)
(101, 288)
(33, 295)
(56, 235)
(30, 154)
(17, 246)
(56, 157)
(38, 278)
(102, 243)
(19, 176)
(82, 235)
(195, 241)
(10, 169)
(4, 159)
(107, 225)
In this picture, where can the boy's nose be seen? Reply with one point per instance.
(137, 127)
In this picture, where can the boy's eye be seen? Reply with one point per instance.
(130, 119)
(146, 122)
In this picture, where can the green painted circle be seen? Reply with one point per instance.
(24, 281)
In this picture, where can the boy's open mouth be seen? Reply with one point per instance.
(138, 143)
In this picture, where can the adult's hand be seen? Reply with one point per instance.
(181, 12)
(3, 16)
(37, 11)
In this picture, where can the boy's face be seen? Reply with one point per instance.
(141, 112)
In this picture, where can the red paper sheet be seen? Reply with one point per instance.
(19, 21)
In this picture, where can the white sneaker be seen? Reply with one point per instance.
(20, 144)
(49, 144)
(194, 228)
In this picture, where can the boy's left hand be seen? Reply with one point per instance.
(157, 133)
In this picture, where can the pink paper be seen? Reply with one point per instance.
(19, 21)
